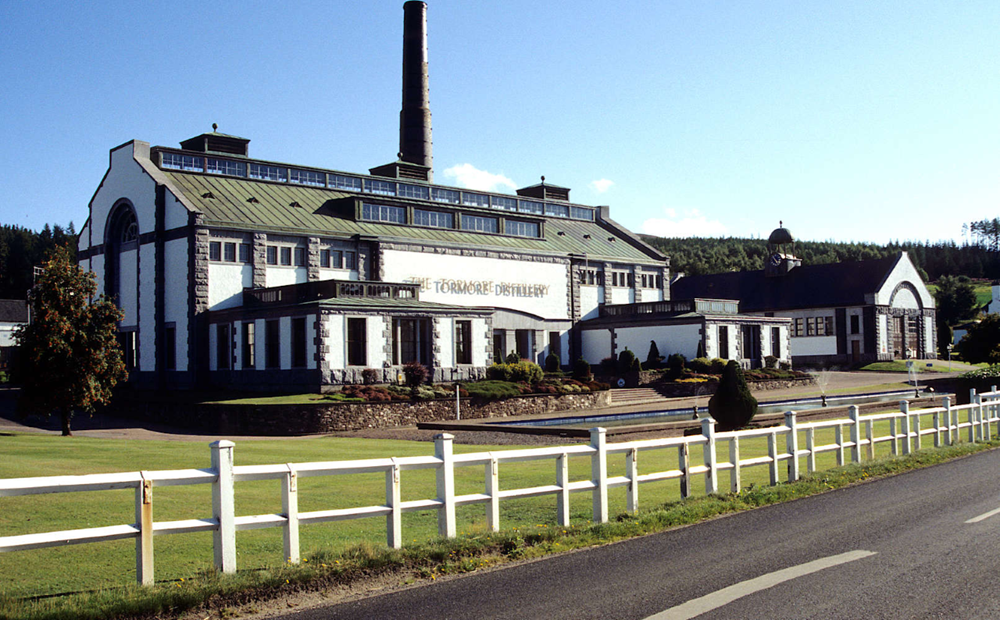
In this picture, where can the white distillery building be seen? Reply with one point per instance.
(840, 313)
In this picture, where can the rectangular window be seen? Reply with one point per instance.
(249, 360)
(413, 191)
(357, 342)
(183, 162)
(828, 325)
(272, 255)
(463, 342)
(215, 250)
(519, 228)
(475, 200)
(799, 330)
(299, 342)
(383, 188)
(305, 177)
(244, 252)
(170, 348)
(324, 259)
(350, 260)
(272, 344)
(555, 345)
(556, 210)
(445, 195)
(222, 351)
(127, 342)
(855, 324)
(499, 345)
(776, 342)
(383, 213)
(810, 326)
(300, 257)
(479, 223)
(409, 341)
(530, 206)
(267, 173)
(504, 204)
(723, 342)
(579, 213)
(435, 219)
(230, 254)
(523, 338)
(339, 181)
(224, 166)
(286, 256)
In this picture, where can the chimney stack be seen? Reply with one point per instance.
(415, 116)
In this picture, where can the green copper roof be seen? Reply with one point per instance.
(226, 203)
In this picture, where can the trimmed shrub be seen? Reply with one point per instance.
(581, 370)
(785, 365)
(498, 372)
(700, 365)
(718, 366)
(675, 366)
(608, 366)
(493, 390)
(512, 358)
(625, 360)
(653, 358)
(598, 386)
(732, 405)
(369, 376)
(770, 361)
(415, 373)
(551, 363)
(528, 372)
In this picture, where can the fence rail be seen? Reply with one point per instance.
(905, 435)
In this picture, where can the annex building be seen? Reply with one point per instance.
(840, 313)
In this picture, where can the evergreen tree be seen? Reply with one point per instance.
(732, 405)
(70, 358)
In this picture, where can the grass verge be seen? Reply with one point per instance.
(222, 595)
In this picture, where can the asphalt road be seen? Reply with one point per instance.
(912, 556)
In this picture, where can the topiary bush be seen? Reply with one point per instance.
(492, 390)
(581, 370)
(653, 358)
(700, 365)
(551, 363)
(718, 366)
(415, 373)
(609, 366)
(732, 405)
(675, 366)
(498, 372)
(512, 358)
(625, 360)
(528, 372)
(770, 361)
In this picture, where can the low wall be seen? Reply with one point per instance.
(330, 417)
(679, 390)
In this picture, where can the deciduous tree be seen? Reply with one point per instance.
(70, 358)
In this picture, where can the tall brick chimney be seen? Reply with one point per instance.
(416, 160)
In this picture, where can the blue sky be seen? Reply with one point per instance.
(864, 121)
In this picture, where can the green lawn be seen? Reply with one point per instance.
(921, 366)
(102, 565)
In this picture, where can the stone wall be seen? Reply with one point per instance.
(332, 417)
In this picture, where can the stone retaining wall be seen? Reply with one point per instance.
(331, 417)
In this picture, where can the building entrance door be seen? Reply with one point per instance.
(898, 338)
(751, 344)
(855, 351)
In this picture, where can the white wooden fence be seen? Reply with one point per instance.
(853, 437)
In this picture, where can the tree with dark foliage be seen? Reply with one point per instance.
(70, 357)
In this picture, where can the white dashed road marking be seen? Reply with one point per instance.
(698, 606)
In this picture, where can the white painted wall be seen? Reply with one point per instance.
(260, 343)
(815, 345)
(436, 272)
(596, 345)
(883, 331)
(97, 266)
(620, 295)
(285, 324)
(376, 342)
(904, 271)
(446, 341)
(226, 282)
(336, 341)
(930, 345)
(280, 276)
(175, 303)
(479, 342)
(338, 274)
(636, 339)
(652, 294)
(589, 302)
(128, 299)
(905, 299)
(147, 308)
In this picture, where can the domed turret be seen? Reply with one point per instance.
(780, 246)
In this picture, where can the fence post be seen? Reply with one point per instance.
(562, 479)
(811, 449)
(493, 490)
(290, 506)
(979, 417)
(792, 441)
(772, 451)
(599, 473)
(393, 498)
(894, 435)
(917, 442)
(853, 412)
(144, 519)
(224, 506)
(684, 464)
(949, 434)
(712, 475)
(838, 438)
(937, 429)
(904, 408)
(734, 458)
(870, 436)
(443, 449)
(632, 472)
(972, 422)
